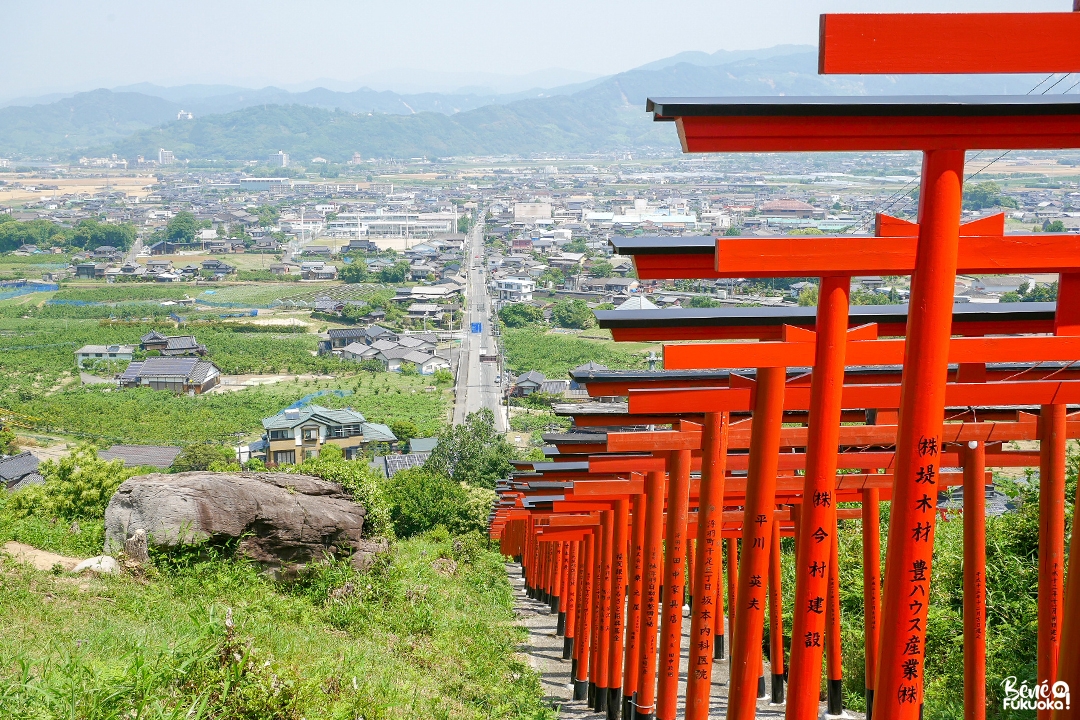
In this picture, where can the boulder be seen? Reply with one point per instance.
(282, 521)
(102, 564)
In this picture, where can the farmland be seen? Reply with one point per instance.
(554, 354)
(38, 376)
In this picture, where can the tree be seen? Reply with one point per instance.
(552, 275)
(14, 234)
(355, 272)
(572, 314)
(601, 269)
(702, 301)
(517, 315)
(1032, 293)
(473, 452)
(1057, 226)
(201, 457)
(577, 245)
(808, 296)
(733, 231)
(7, 442)
(89, 234)
(268, 215)
(464, 224)
(181, 228)
(396, 273)
(986, 195)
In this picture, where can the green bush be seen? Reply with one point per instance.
(76, 487)
(358, 478)
(422, 500)
(518, 315)
(202, 456)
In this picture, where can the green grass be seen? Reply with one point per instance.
(402, 642)
(554, 354)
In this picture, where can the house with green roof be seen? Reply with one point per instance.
(295, 434)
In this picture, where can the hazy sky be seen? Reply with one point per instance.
(65, 45)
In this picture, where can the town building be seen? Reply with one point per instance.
(516, 289)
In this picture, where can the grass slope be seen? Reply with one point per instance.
(402, 641)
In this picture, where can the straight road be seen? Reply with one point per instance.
(476, 381)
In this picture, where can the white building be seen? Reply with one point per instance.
(516, 289)
(530, 212)
(165, 157)
(278, 159)
(103, 353)
(395, 229)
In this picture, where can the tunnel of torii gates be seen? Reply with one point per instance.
(798, 411)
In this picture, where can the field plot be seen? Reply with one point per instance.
(554, 354)
(38, 377)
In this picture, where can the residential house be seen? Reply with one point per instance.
(156, 456)
(392, 358)
(171, 345)
(163, 247)
(516, 289)
(284, 268)
(528, 383)
(426, 363)
(295, 434)
(358, 352)
(425, 343)
(103, 353)
(425, 311)
(19, 471)
(190, 375)
(266, 245)
(156, 267)
(318, 270)
(325, 304)
(91, 271)
(217, 268)
(613, 285)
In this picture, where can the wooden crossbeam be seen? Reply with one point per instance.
(1018, 349)
(1037, 392)
(934, 43)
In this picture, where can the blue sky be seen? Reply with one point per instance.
(65, 45)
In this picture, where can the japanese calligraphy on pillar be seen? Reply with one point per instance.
(918, 574)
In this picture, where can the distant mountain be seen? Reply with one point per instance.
(597, 115)
(723, 57)
(84, 120)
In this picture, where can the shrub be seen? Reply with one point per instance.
(358, 478)
(422, 500)
(203, 456)
(76, 487)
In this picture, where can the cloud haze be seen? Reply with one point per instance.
(69, 45)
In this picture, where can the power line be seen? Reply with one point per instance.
(895, 197)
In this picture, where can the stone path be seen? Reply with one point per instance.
(544, 650)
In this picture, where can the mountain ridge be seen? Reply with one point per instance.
(593, 116)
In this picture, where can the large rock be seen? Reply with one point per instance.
(282, 520)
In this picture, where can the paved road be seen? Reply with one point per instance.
(476, 381)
